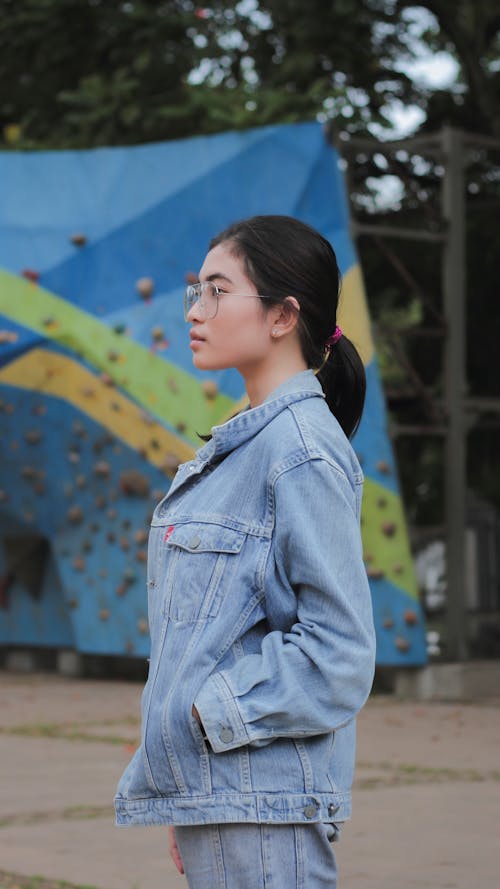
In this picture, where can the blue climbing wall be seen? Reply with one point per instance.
(99, 400)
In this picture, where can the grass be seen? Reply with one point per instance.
(9, 880)
(71, 813)
(410, 773)
(73, 731)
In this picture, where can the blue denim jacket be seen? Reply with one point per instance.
(260, 614)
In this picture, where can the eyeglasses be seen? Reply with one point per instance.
(206, 294)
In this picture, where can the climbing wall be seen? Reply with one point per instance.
(99, 400)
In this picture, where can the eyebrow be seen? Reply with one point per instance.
(220, 276)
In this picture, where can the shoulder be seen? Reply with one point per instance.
(304, 432)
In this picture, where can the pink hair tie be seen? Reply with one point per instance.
(334, 337)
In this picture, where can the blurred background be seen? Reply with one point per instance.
(131, 132)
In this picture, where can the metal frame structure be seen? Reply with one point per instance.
(450, 145)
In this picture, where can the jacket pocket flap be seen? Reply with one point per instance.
(198, 537)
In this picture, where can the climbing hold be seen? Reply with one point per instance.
(88, 391)
(104, 614)
(173, 385)
(79, 429)
(32, 436)
(39, 487)
(389, 529)
(145, 287)
(141, 536)
(410, 617)
(210, 389)
(4, 496)
(129, 576)
(157, 334)
(51, 323)
(73, 603)
(398, 568)
(383, 467)
(121, 589)
(112, 513)
(8, 336)
(81, 481)
(375, 573)
(113, 355)
(181, 427)
(141, 555)
(74, 456)
(147, 418)
(134, 483)
(102, 469)
(29, 472)
(75, 515)
(87, 546)
(119, 329)
(124, 544)
(79, 563)
(170, 465)
(106, 379)
(39, 410)
(111, 537)
(31, 275)
(100, 501)
(381, 502)
(142, 625)
(191, 278)
(402, 644)
(78, 239)
(388, 622)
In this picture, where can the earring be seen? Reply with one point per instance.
(274, 332)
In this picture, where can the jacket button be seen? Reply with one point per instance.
(333, 809)
(310, 810)
(226, 735)
(195, 542)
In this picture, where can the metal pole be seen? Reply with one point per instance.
(454, 291)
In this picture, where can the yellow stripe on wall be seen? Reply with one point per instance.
(51, 374)
(353, 316)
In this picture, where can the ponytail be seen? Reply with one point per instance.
(343, 380)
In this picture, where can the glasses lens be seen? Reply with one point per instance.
(209, 299)
(205, 295)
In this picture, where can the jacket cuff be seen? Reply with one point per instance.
(220, 716)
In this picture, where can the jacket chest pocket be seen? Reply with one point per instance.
(199, 564)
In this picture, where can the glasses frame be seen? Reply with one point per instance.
(198, 289)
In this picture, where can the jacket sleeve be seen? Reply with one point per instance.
(315, 677)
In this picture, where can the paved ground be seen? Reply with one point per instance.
(427, 794)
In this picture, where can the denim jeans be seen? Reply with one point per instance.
(258, 856)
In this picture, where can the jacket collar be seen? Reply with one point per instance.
(250, 421)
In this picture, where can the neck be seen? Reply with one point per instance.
(260, 382)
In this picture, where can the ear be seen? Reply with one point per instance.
(286, 317)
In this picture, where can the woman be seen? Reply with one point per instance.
(262, 642)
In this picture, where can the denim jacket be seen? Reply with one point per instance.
(260, 614)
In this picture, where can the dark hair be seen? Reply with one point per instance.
(284, 257)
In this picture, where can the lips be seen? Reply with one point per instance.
(195, 337)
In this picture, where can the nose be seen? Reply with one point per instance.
(195, 312)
